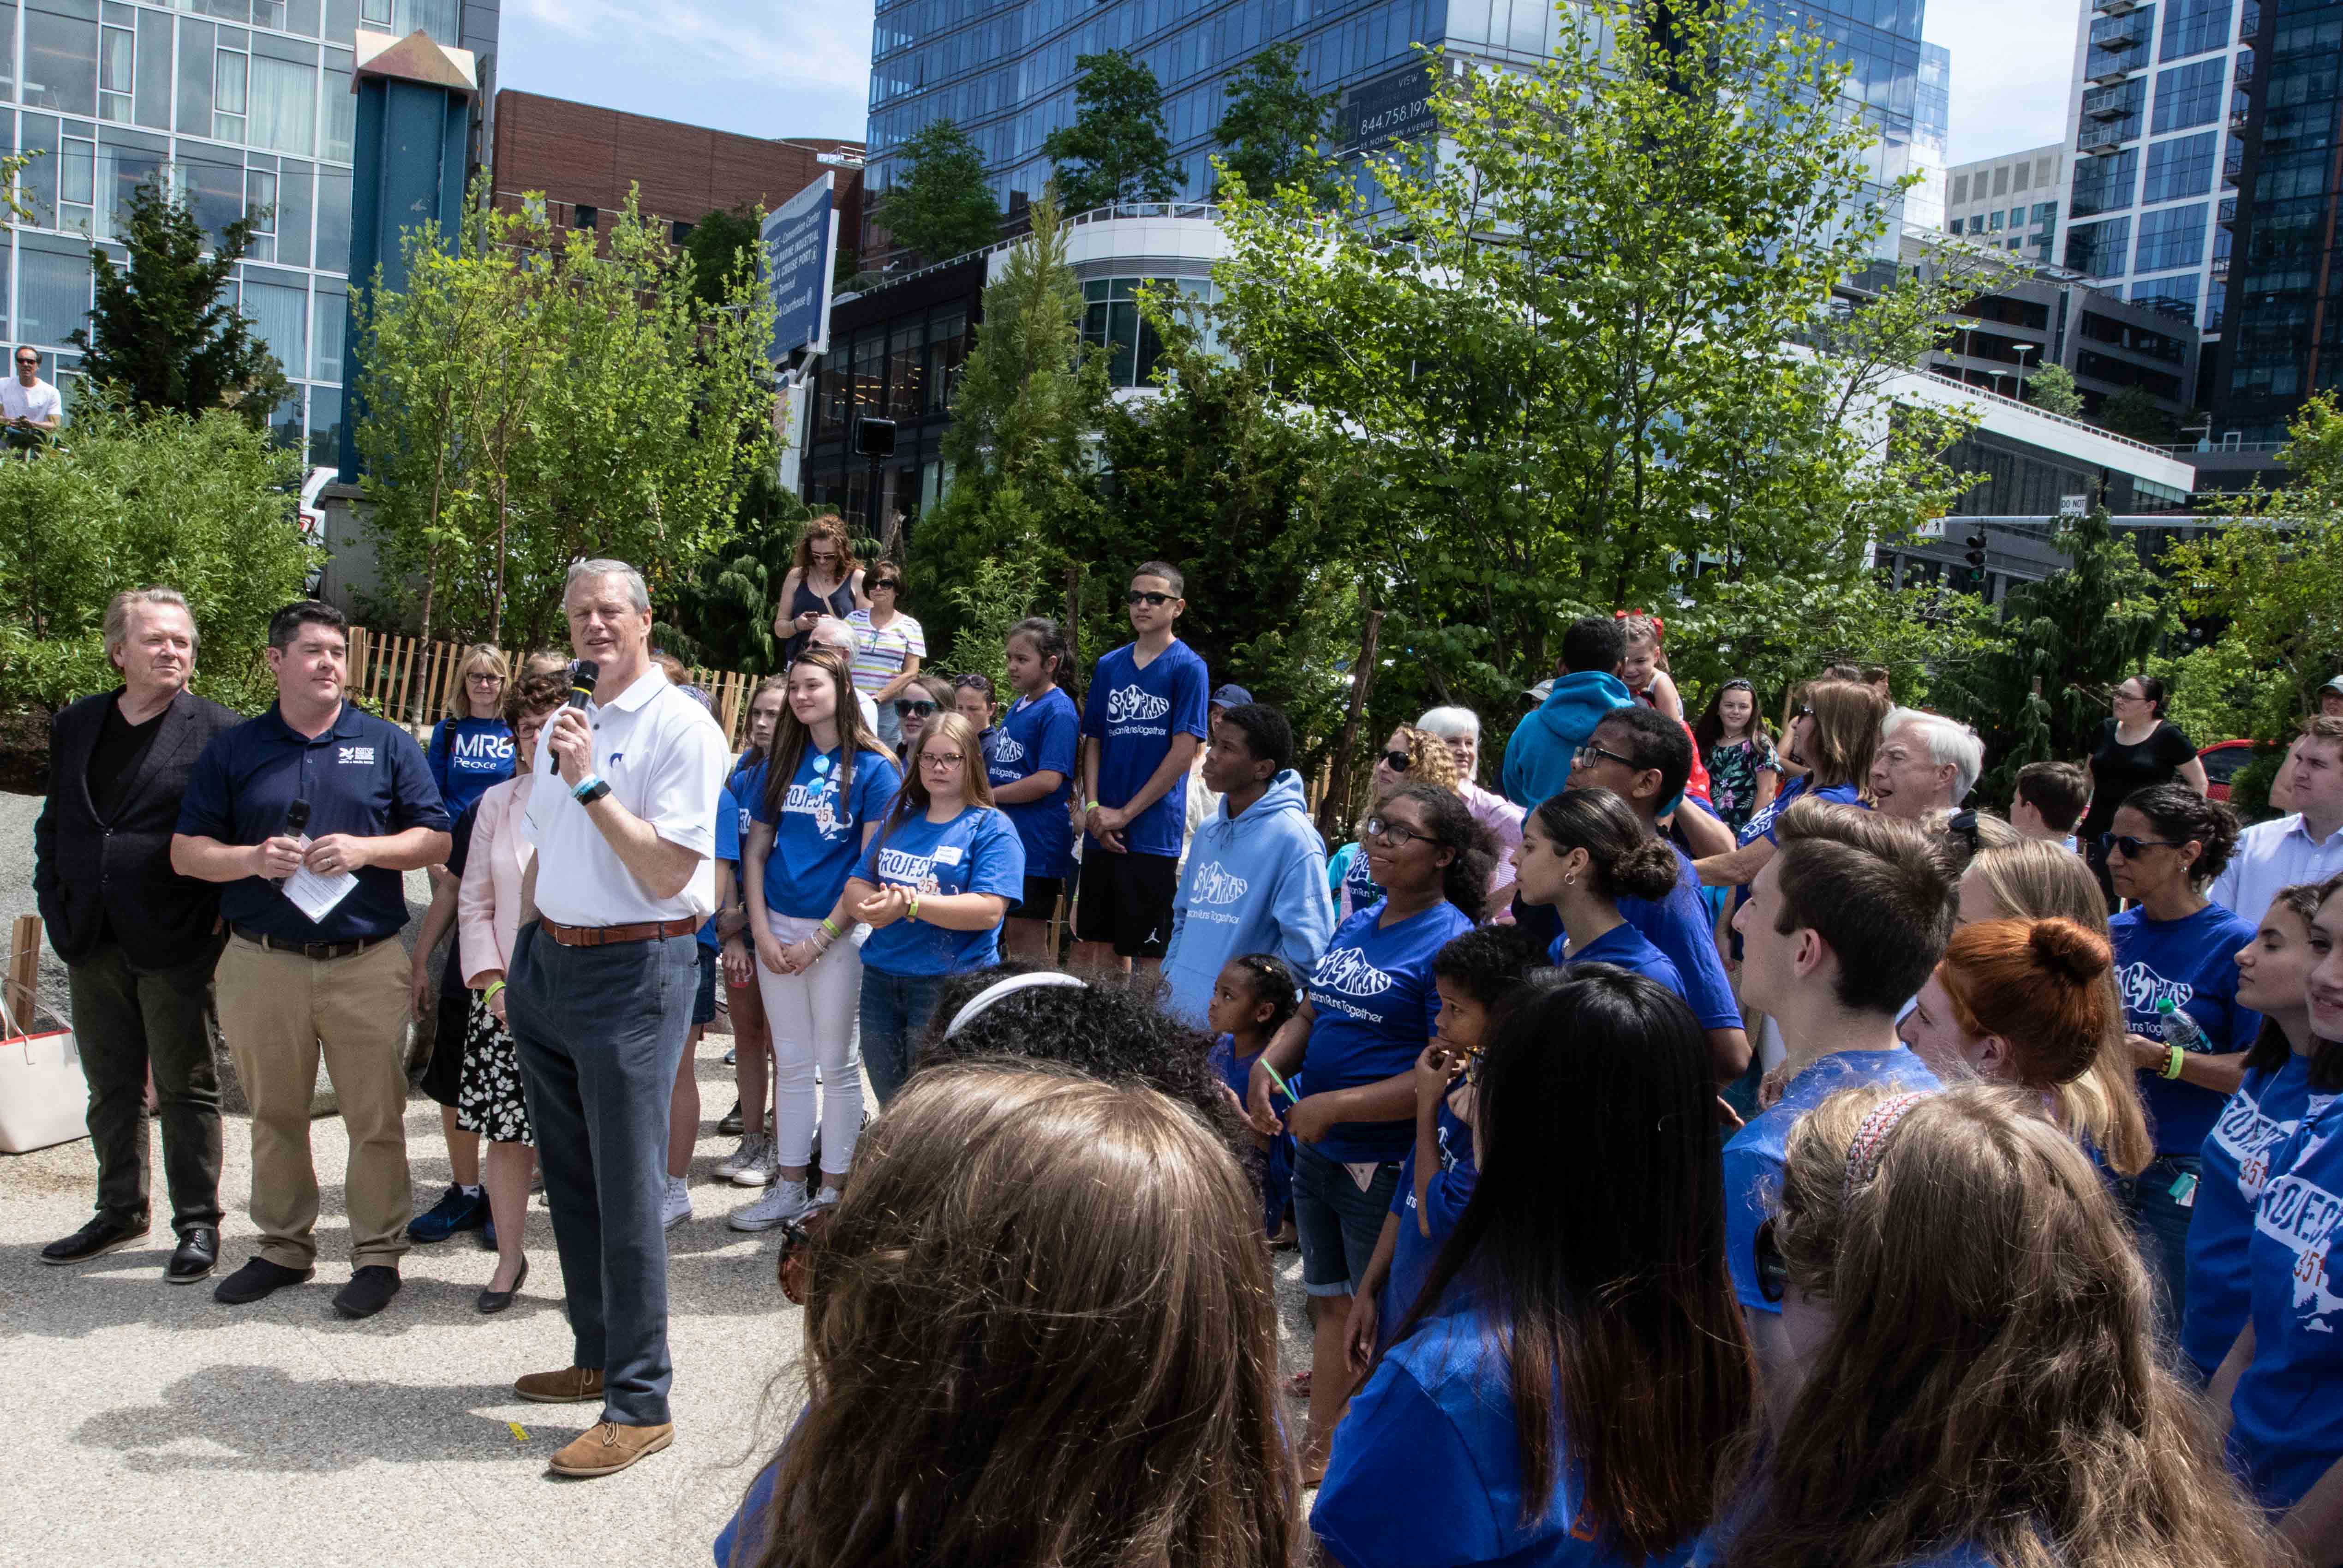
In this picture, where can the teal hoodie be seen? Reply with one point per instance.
(1255, 883)
(1538, 758)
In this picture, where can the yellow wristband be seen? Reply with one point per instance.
(2178, 1060)
(490, 995)
(1092, 807)
(834, 933)
(912, 913)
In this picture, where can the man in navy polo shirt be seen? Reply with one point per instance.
(330, 976)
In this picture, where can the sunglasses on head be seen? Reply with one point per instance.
(2129, 846)
(1773, 1273)
(1737, 684)
(973, 683)
(1963, 825)
(1140, 596)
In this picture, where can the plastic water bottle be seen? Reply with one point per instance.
(2181, 1029)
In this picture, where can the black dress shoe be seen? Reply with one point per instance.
(493, 1301)
(257, 1278)
(369, 1292)
(95, 1240)
(732, 1121)
(196, 1257)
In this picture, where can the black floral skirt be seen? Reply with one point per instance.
(488, 1100)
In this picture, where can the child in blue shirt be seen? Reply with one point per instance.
(1030, 763)
(1253, 998)
(1582, 851)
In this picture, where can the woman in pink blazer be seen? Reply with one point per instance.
(487, 914)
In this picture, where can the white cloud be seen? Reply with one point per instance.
(2013, 62)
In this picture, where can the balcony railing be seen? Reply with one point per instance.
(2103, 139)
(2233, 166)
(2113, 7)
(2220, 268)
(2229, 213)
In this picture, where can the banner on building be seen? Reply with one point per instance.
(1397, 107)
(799, 255)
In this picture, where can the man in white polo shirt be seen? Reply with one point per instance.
(603, 975)
(2304, 846)
(30, 408)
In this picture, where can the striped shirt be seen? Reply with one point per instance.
(879, 653)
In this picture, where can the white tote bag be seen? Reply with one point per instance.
(43, 1098)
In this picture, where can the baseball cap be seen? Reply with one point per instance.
(1230, 697)
(2334, 685)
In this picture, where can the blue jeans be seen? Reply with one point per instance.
(600, 1032)
(895, 1013)
(1336, 1223)
(2162, 1220)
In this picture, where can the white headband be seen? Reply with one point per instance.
(984, 999)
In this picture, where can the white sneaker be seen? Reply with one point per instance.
(826, 1198)
(677, 1208)
(762, 1170)
(785, 1203)
(752, 1148)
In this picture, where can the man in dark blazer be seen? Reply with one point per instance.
(138, 940)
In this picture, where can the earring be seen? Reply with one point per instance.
(1571, 880)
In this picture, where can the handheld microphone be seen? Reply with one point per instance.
(296, 819)
(582, 677)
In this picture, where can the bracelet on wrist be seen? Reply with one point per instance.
(830, 927)
(912, 912)
(2177, 1059)
(490, 995)
(590, 789)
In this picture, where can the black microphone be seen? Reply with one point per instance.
(296, 819)
(583, 675)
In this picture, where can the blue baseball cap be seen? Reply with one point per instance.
(1230, 697)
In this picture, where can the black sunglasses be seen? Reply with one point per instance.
(1138, 595)
(973, 683)
(885, 583)
(1773, 1273)
(907, 709)
(1396, 762)
(1963, 825)
(2130, 847)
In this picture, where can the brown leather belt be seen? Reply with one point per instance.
(607, 936)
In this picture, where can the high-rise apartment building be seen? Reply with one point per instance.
(2010, 203)
(1004, 71)
(245, 106)
(1932, 133)
(2157, 98)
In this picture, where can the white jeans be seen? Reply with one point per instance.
(813, 1017)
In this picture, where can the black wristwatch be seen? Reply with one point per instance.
(593, 792)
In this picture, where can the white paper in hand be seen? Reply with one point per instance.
(315, 896)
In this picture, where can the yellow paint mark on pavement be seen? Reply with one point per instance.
(520, 1432)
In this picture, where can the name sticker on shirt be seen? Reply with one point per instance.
(946, 855)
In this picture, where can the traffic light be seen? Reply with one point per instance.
(1976, 556)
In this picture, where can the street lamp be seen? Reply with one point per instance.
(2023, 350)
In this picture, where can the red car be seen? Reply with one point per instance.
(2223, 760)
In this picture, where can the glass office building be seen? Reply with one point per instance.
(1004, 71)
(243, 106)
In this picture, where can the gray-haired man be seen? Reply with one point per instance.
(138, 940)
(602, 980)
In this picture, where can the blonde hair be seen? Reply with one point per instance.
(912, 798)
(2038, 881)
(1993, 1377)
(459, 691)
(1040, 1326)
(1429, 761)
(118, 615)
(1846, 719)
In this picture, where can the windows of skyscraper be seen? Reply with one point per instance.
(2182, 167)
(2193, 27)
(2188, 96)
(2105, 185)
(2170, 237)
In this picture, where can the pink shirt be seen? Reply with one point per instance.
(488, 905)
(1503, 819)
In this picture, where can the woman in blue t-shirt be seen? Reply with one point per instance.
(1968, 1394)
(933, 886)
(2272, 973)
(1582, 851)
(1562, 1391)
(1349, 1053)
(472, 746)
(1031, 766)
(2177, 973)
(2283, 1381)
(814, 805)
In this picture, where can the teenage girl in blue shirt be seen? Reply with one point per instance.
(1980, 1383)
(1582, 851)
(1563, 1389)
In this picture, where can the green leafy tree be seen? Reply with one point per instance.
(2135, 412)
(941, 205)
(721, 244)
(164, 332)
(2039, 690)
(1612, 348)
(1274, 131)
(1117, 149)
(528, 401)
(2052, 389)
(1031, 402)
(203, 503)
(720, 614)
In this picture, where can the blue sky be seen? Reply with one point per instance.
(802, 67)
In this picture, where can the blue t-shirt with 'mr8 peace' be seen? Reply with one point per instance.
(1375, 1004)
(975, 852)
(817, 836)
(1133, 712)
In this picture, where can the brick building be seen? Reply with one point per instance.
(584, 159)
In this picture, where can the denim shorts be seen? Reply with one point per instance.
(1337, 1224)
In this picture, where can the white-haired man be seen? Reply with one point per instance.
(1926, 763)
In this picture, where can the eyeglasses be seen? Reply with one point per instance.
(1588, 755)
(485, 677)
(2123, 696)
(1396, 762)
(904, 709)
(939, 760)
(1772, 1273)
(1395, 834)
(2129, 848)
(1138, 597)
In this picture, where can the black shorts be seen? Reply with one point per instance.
(1040, 900)
(443, 1075)
(1126, 900)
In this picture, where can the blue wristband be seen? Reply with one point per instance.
(584, 784)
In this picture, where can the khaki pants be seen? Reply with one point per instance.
(278, 1011)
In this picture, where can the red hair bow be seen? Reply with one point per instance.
(1659, 627)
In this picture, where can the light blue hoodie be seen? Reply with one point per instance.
(1538, 758)
(1255, 883)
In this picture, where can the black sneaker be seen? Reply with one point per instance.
(369, 1292)
(257, 1278)
(455, 1210)
(95, 1240)
(734, 1121)
(196, 1257)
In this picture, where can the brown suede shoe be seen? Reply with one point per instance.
(570, 1385)
(610, 1448)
